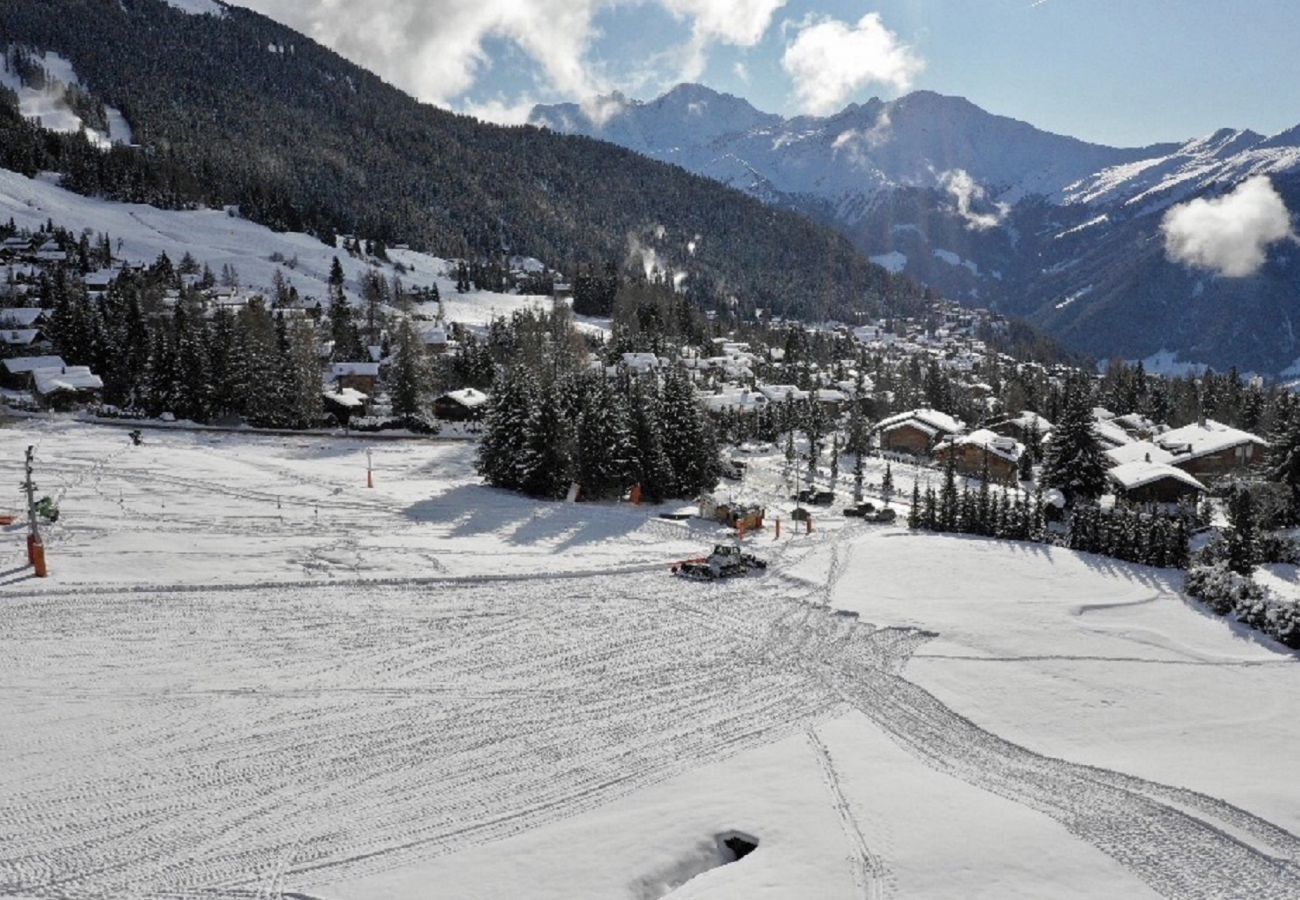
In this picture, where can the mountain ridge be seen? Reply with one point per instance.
(993, 211)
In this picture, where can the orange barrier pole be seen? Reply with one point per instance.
(809, 531)
(31, 549)
(38, 559)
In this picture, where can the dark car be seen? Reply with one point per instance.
(860, 511)
(816, 498)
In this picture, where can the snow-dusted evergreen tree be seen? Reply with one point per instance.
(505, 430)
(412, 375)
(689, 441)
(914, 513)
(1243, 536)
(887, 483)
(948, 511)
(300, 375)
(653, 469)
(160, 374)
(546, 460)
(256, 366)
(192, 396)
(343, 329)
(606, 454)
(1074, 464)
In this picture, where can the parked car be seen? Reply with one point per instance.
(860, 510)
(816, 498)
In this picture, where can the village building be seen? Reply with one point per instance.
(1023, 427)
(360, 376)
(971, 453)
(16, 372)
(66, 386)
(1138, 451)
(344, 403)
(1153, 482)
(917, 431)
(465, 405)
(1211, 448)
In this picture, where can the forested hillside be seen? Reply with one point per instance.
(239, 110)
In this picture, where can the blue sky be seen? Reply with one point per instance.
(1117, 72)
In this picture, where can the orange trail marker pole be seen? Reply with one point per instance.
(370, 472)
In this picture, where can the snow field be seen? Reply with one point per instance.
(249, 676)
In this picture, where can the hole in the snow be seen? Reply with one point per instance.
(726, 847)
(737, 844)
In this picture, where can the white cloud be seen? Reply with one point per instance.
(829, 61)
(435, 49)
(963, 189)
(1229, 234)
(500, 110)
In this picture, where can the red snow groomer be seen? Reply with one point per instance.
(726, 561)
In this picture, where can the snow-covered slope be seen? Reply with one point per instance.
(219, 238)
(48, 104)
(249, 675)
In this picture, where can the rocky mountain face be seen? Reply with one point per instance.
(995, 212)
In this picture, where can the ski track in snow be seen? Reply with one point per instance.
(264, 738)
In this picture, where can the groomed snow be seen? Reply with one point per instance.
(250, 675)
(48, 105)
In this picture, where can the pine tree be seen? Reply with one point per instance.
(1074, 464)
(689, 441)
(546, 458)
(914, 512)
(948, 499)
(1243, 537)
(505, 429)
(606, 456)
(192, 393)
(653, 470)
(887, 484)
(412, 376)
(300, 375)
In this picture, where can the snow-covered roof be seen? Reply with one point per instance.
(778, 393)
(1004, 447)
(831, 395)
(346, 397)
(23, 364)
(20, 316)
(467, 397)
(1133, 475)
(365, 369)
(741, 401)
(1111, 434)
(1027, 420)
(19, 337)
(1202, 440)
(1102, 414)
(66, 378)
(934, 421)
(434, 334)
(1138, 451)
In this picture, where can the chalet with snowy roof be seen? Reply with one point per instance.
(1137, 425)
(971, 453)
(66, 386)
(435, 338)
(1153, 482)
(16, 372)
(917, 431)
(1211, 448)
(782, 393)
(344, 403)
(20, 337)
(465, 405)
(641, 363)
(21, 317)
(738, 401)
(360, 376)
(1109, 434)
(1023, 427)
(832, 400)
(1138, 451)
